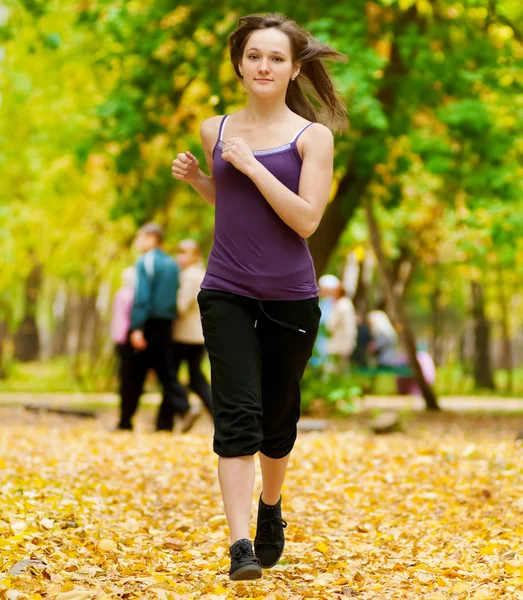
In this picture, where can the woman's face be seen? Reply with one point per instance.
(267, 64)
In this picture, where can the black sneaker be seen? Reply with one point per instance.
(270, 539)
(244, 565)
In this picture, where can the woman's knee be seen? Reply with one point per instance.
(281, 445)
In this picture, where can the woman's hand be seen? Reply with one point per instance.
(185, 167)
(237, 152)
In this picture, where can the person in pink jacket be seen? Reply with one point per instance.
(122, 306)
(120, 326)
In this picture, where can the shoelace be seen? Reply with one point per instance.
(268, 526)
(239, 548)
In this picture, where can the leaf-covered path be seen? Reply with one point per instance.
(432, 513)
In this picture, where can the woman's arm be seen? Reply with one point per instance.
(302, 212)
(186, 167)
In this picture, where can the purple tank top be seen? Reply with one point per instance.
(255, 254)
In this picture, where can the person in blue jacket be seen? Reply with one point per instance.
(152, 316)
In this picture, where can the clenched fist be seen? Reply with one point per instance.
(185, 167)
(237, 152)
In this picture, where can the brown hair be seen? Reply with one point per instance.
(313, 80)
(153, 229)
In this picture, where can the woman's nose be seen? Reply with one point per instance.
(264, 67)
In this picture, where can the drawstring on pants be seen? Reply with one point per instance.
(261, 309)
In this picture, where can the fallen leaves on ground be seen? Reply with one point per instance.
(433, 513)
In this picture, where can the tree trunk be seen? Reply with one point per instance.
(361, 296)
(339, 212)
(396, 309)
(82, 335)
(353, 186)
(436, 323)
(402, 272)
(27, 340)
(3, 332)
(482, 365)
(506, 347)
(61, 318)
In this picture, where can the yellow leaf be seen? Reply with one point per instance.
(482, 594)
(424, 577)
(74, 595)
(18, 526)
(5, 584)
(421, 566)
(511, 568)
(47, 523)
(220, 590)
(459, 587)
(323, 579)
(489, 549)
(108, 546)
(321, 547)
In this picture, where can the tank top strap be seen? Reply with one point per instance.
(222, 125)
(295, 138)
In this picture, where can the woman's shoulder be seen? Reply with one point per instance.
(211, 126)
(319, 133)
(316, 138)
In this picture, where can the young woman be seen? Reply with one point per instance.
(271, 173)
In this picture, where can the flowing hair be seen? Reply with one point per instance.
(313, 82)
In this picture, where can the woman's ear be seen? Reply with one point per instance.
(296, 71)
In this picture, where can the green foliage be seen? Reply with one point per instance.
(332, 388)
(98, 97)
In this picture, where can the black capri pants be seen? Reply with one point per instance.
(258, 353)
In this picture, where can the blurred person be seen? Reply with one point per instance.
(188, 334)
(152, 315)
(360, 354)
(326, 302)
(271, 168)
(341, 321)
(408, 385)
(120, 327)
(384, 343)
(122, 305)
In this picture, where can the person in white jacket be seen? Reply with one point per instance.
(187, 333)
(341, 322)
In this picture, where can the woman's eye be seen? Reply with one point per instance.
(252, 56)
(278, 59)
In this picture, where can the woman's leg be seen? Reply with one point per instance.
(232, 343)
(236, 477)
(285, 353)
(273, 475)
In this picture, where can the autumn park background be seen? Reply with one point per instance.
(96, 99)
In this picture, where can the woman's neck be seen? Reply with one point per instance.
(264, 110)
